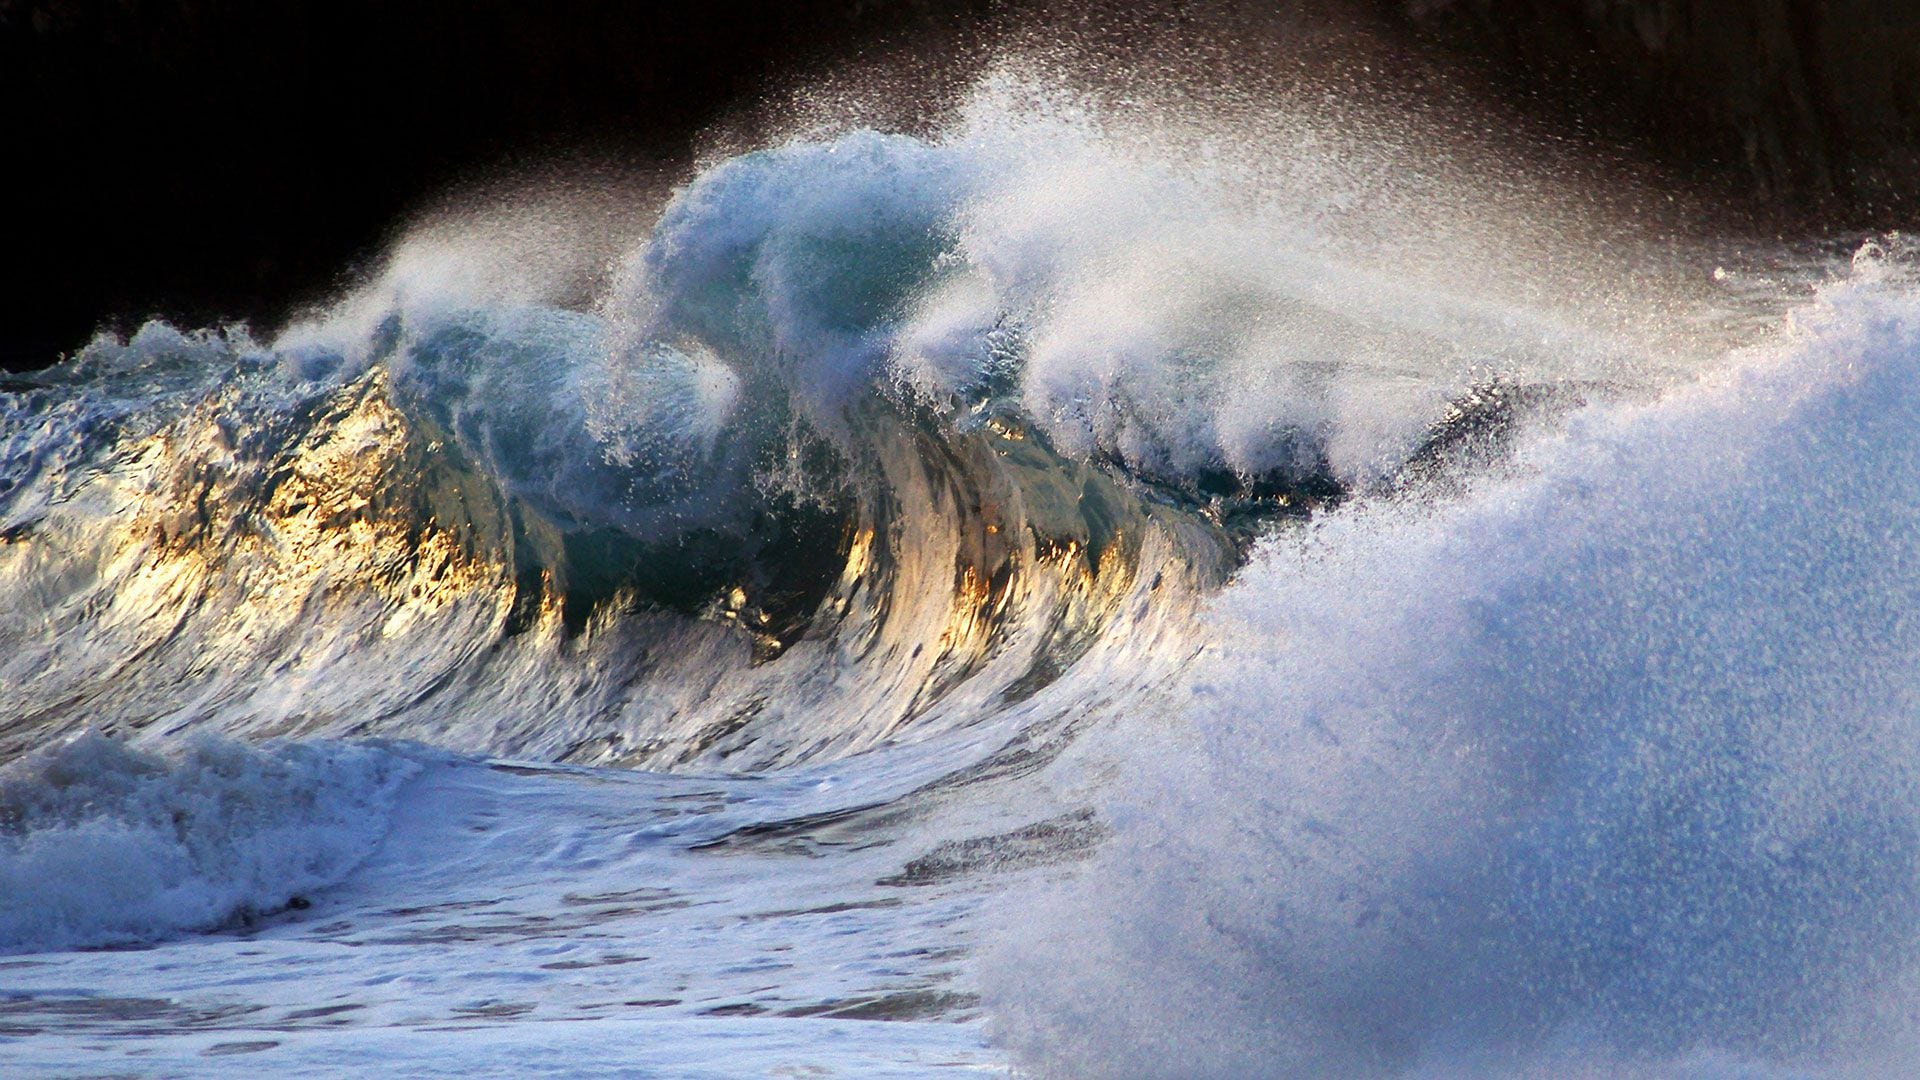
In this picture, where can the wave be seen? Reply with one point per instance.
(1437, 684)
(1605, 767)
(857, 449)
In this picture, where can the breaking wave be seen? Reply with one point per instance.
(1453, 687)
(874, 436)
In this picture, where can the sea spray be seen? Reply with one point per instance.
(1607, 765)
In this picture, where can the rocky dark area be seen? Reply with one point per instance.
(211, 159)
(1806, 110)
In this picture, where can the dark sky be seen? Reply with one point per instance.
(207, 158)
(212, 159)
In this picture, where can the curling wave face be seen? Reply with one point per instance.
(439, 535)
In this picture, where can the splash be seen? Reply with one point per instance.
(1606, 766)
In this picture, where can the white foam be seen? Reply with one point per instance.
(1611, 766)
(101, 843)
(554, 922)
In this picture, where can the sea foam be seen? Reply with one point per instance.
(1611, 765)
(102, 843)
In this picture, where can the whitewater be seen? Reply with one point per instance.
(1061, 593)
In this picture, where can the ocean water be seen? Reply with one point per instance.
(1058, 594)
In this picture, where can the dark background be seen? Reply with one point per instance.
(210, 159)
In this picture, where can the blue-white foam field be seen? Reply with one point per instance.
(527, 919)
(1608, 766)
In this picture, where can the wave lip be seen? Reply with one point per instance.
(104, 844)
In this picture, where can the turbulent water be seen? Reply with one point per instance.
(1028, 597)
